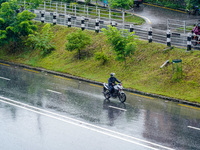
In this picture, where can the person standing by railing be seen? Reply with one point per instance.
(196, 33)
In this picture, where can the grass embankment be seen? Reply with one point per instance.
(141, 73)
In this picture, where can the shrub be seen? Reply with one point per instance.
(101, 56)
(77, 40)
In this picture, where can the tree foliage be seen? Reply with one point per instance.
(191, 3)
(124, 43)
(42, 40)
(14, 26)
(123, 4)
(77, 41)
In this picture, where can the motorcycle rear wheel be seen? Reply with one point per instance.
(122, 97)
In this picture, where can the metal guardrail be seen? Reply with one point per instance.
(181, 26)
(89, 23)
(77, 13)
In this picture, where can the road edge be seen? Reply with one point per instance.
(98, 83)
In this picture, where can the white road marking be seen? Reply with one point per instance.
(88, 126)
(193, 128)
(4, 78)
(118, 108)
(53, 91)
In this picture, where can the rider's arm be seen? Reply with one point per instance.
(117, 80)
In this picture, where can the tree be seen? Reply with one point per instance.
(14, 26)
(42, 40)
(77, 41)
(32, 4)
(123, 4)
(191, 3)
(123, 46)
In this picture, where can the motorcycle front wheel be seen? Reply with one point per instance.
(106, 93)
(122, 97)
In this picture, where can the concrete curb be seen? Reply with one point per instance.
(100, 83)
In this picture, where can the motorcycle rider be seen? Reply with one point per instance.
(196, 31)
(111, 82)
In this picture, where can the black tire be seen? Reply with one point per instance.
(106, 93)
(122, 97)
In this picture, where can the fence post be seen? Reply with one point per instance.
(189, 44)
(54, 18)
(96, 9)
(69, 23)
(24, 5)
(87, 12)
(42, 16)
(131, 28)
(150, 35)
(56, 7)
(75, 10)
(184, 26)
(99, 14)
(167, 24)
(123, 18)
(44, 5)
(97, 26)
(109, 15)
(168, 38)
(82, 23)
(65, 9)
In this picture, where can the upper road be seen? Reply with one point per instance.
(157, 16)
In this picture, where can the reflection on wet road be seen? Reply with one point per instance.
(42, 111)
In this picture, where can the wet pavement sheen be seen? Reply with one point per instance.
(146, 119)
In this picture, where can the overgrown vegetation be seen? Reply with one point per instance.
(42, 40)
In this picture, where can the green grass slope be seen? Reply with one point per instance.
(142, 71)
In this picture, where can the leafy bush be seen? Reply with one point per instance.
(42, 40)
(77, 40)
(124, 43)
(101, 56)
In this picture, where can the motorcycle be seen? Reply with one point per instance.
(117, 93)
(195, 40)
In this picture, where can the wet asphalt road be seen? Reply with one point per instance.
(158, 16)
(42, 111)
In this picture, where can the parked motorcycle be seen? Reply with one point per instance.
(195, 40)
(117, 93)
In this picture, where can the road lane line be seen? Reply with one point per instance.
(118, 108)
(4, 64)
(96, 85)
(4, 78)
(62, 78)
(141, 96)
(84, 123)
(143, 17)
(80, 125)
(193, 128)
(189, 106)
(53, 91)
(31, 70)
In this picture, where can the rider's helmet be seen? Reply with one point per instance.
(112, 74)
